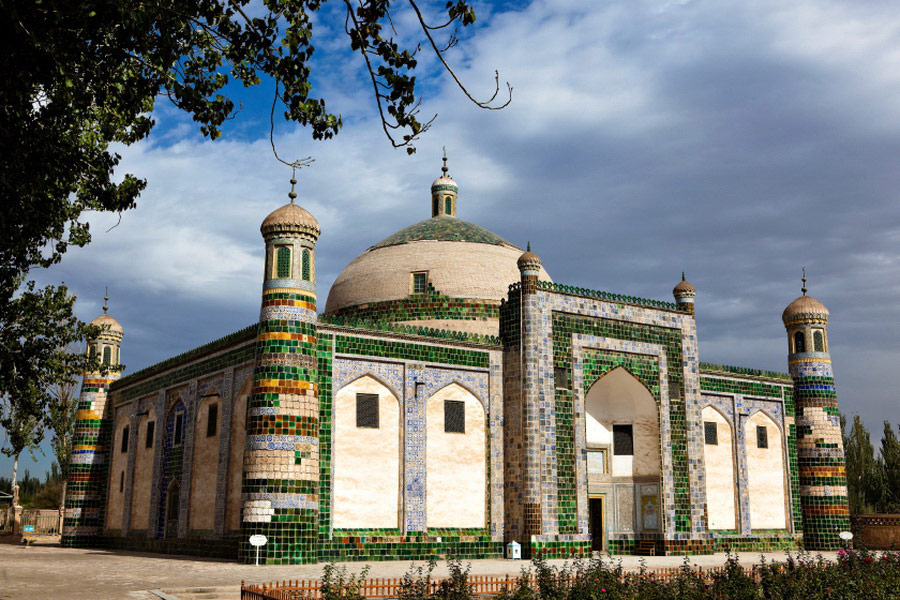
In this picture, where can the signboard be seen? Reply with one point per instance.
(29, 529)
(258, 540)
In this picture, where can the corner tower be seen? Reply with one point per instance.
(86, 486)
(820, 451)
(684, 294)
(281, 458)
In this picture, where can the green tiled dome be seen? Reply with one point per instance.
(445, 229)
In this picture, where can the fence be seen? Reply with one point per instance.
(480, 585)
(45, 522)
(877, 532)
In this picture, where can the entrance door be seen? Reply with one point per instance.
(595, 508)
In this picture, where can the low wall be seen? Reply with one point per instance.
(876, 532)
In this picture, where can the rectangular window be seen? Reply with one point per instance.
(179, 430)
(418, 283)
(596, 462)
(151, 427)
(121, 482)
(561, 378)
(454, 416)
(124, 447)
(212, 420)
(711, 433)
(283, 262)
(367, 410)
(762, 436)
(623, 440)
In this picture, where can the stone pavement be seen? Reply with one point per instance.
(47, 571)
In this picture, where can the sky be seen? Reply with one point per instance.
(735, 141)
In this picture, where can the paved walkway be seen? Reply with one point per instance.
(46, 572)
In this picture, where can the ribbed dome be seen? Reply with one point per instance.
(449, 229)
(444, 183)
(804, 305)
(105, 319)
(290, 218)
(684, 288)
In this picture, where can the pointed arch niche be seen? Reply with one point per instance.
(718, 458)
(366, 457)
(622, 418)
(456, 461)
(765, 472)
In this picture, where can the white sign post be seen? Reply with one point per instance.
(258, 540)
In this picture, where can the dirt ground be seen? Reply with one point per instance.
(46, 571)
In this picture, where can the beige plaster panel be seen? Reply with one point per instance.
(205, 469)
(236, 458)
(457, 269)
(456, 468)
(619, 398)
(720, 480)
(366, 460)
(143, 475)
(765, 475)
(118, 463)
(485, 327)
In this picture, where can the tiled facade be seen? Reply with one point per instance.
(276, 383)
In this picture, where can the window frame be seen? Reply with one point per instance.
(617, 438)
(282, 250)
(799, 336)
(413, 276)
(362, 400)
(707, 427)
(124, 441)
(149, 432)
(178, 429)
(456, 405)
(212, 419)
(762, 437)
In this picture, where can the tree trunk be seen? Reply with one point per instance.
(62, 505)
(15, 481)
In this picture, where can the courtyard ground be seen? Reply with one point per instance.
(47, 571)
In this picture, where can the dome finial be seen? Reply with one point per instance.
(293, 195)
(444, 168)
(106, 300)
(528, 247)
(803, 289)
(682, 276)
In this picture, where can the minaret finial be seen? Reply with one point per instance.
(528, 247)
(293, 195)
(803, 289)
(106, 300)
(444, 168)
(682, 275)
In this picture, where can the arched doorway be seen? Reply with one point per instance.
(623, 457)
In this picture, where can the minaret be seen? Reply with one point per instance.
(684, 294)
(443, 194)
(281, 459)
(820, 451)
(86, 486)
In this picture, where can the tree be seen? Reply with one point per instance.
(23, 431)
(863, 474)
(889, 463)
(76, 77)
(62, 412)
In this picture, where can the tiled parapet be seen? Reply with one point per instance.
(430, 306)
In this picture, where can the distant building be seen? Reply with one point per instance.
(453, 398)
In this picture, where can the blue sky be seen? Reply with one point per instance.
(735, 141)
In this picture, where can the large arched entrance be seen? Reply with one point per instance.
(623, 457)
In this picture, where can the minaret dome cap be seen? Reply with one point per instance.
(290, 218)
(107, 320)
(684, 289)
(804, 305)
(529, 261)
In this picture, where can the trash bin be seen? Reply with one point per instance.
(514, 550)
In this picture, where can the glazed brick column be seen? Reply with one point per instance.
(86, 488)
(281, 460)
(820, 453)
